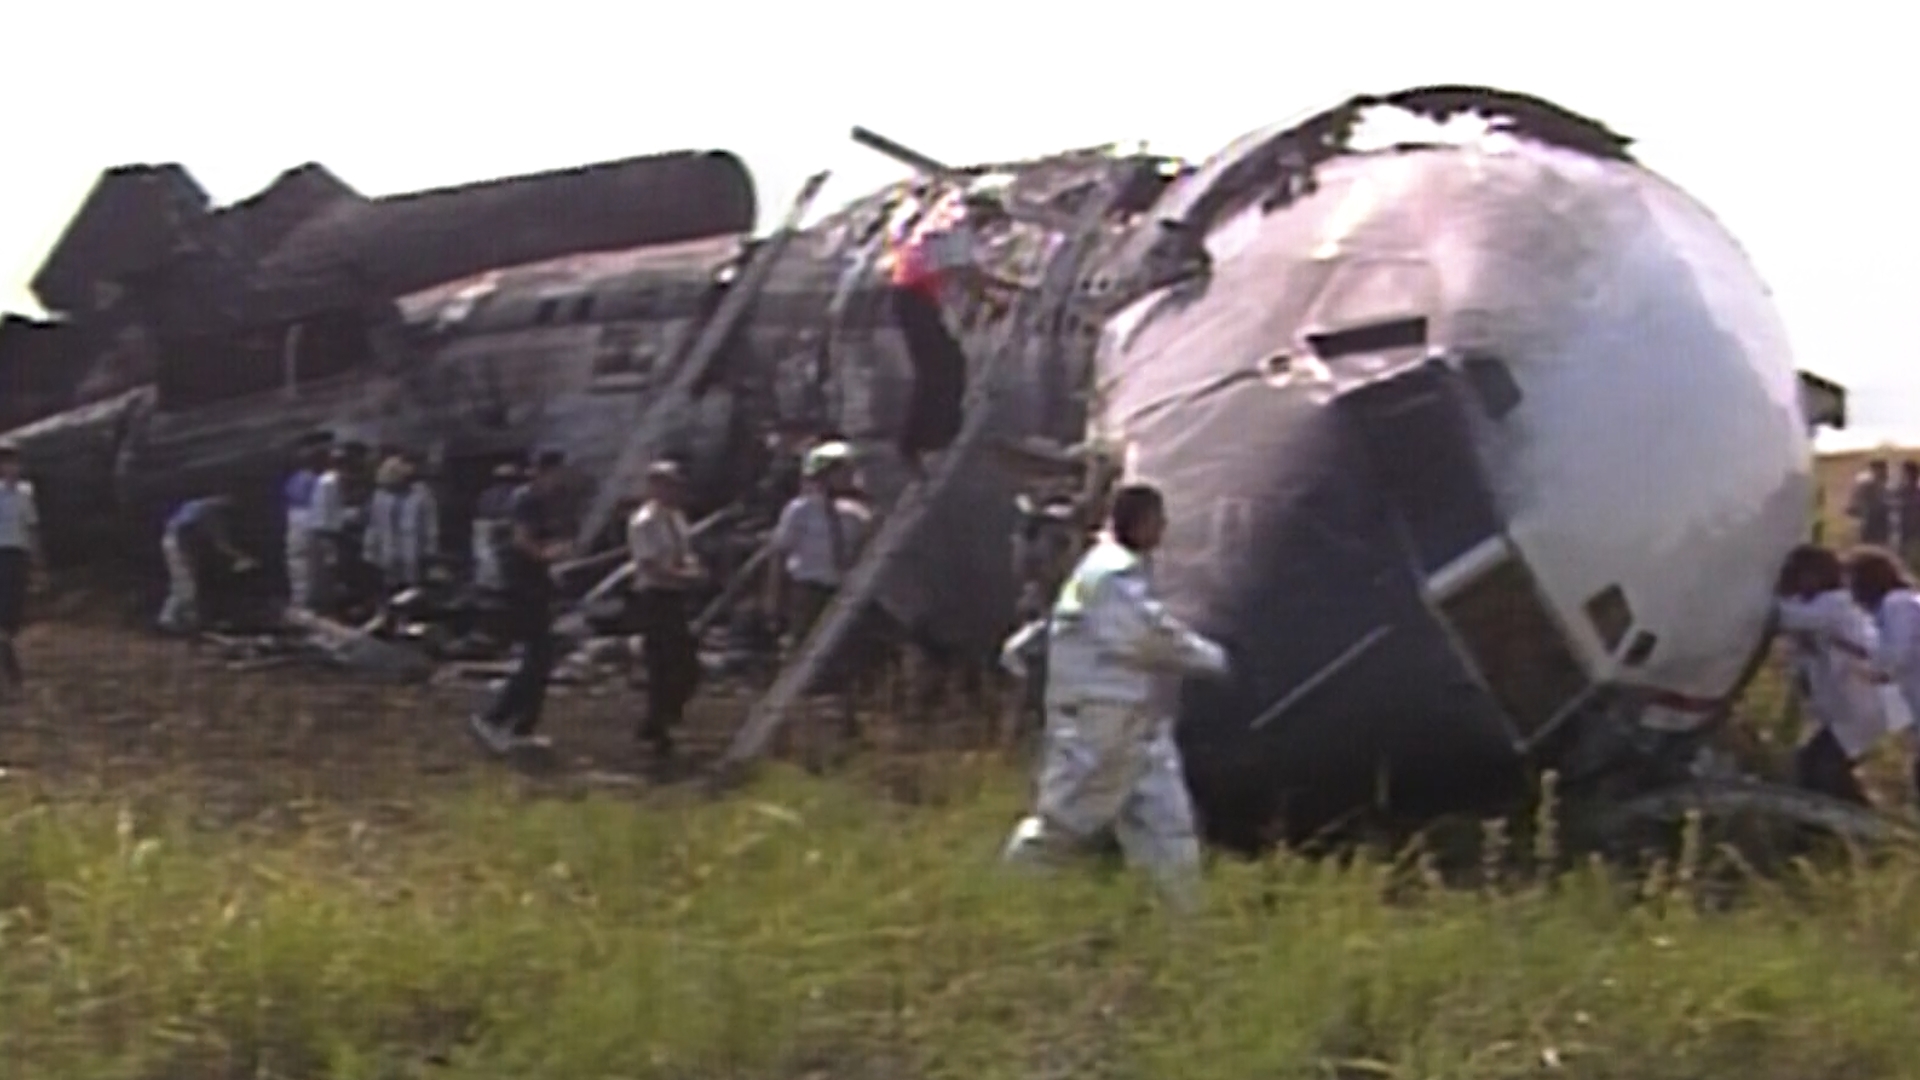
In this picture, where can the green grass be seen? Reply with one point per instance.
(813, 928)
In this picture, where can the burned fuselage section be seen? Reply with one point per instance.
(232, 330)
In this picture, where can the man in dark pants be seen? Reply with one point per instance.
(538, 538)
(936, 260)
(19, 553)
(664, 568)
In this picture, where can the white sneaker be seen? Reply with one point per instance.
(529, 742)
(488, 734)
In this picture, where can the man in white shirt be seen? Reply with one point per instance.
(297, 495)
(403, 526)
(19, 554)
(664, 569)
(816, 540)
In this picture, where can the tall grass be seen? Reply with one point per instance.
(812, 928)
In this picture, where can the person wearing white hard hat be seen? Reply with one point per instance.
(816, 539)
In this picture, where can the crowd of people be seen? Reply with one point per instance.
(1852, 624)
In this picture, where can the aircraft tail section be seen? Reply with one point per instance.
(401, 244)
(135, 218)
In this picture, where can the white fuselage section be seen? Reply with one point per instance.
(1658, 444)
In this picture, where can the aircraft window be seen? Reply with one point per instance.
(544, 314)
(1611, 616)
(1276, 366)
(583, 308)
(1516, 646)
(624, 351)
(1641, 648)
(1370, 338)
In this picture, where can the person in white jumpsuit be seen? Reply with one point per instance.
(403, 526)
(1835, 643)
(1110, 762)
(1882, 586)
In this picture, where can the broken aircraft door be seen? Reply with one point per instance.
(1417, 426)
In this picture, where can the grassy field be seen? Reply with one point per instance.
(276, 875)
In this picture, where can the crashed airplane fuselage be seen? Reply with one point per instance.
(1480, 454)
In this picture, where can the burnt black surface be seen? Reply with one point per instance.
(1399, 722)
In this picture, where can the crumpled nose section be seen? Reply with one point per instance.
(1316, 537)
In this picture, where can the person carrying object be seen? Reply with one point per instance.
(1110, 763)
(1834, 645)
(195, 536)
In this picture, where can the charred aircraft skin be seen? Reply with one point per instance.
(1469, 451)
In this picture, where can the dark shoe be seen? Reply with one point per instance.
(659, 738)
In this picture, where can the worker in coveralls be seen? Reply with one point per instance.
(1110, 761)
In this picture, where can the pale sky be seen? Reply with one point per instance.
(1787, 120)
